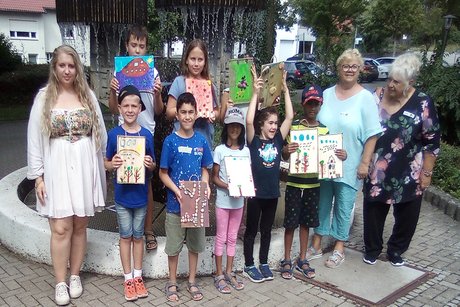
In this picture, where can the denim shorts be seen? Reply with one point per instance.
(175, 236)
(131, 221)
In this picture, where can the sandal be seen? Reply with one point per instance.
(312, 253)
(150, 241)
(335, 259)
(221, 285)
(170, 293)
(236, 283)
(197, 295)
(303, 266)
(286, 273)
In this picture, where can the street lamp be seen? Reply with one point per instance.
(447, 24)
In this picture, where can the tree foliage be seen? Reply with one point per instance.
(9, 59)
(331, 21)
(392, 19)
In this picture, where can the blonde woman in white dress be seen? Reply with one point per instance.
(66, 141)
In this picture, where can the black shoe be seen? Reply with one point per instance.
(369, 260)
(395, 259)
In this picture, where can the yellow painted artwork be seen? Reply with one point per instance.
(132, 151)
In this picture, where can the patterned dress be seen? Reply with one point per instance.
(398, 157)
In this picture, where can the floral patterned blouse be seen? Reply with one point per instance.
(71, 124)
(398, 156)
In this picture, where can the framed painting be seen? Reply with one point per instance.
(202, 91)
(240, 80)
(194, 209)
(135, 70)
(239, 175)
(272, 74)
(305, 159)
(329, 166)
(132, 151)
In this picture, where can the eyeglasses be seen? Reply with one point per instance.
(353, 68)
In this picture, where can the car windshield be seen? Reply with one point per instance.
(302, 66)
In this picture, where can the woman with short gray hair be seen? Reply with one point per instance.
(402, 163)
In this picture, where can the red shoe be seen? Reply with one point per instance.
(130, 290)
(140, 287)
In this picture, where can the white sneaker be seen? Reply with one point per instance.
(61, 294)
(75, 287)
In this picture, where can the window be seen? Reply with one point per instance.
(23, 34)
(49, 56)
(33, 58)
(68, 33)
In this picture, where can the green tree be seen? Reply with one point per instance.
(9, 59)
(393, 18)
(331, 21)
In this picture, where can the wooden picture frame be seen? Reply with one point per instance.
(194, 206)
(272, 75)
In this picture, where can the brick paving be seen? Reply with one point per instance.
(435, 248)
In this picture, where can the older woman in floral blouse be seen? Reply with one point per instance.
(402, 163)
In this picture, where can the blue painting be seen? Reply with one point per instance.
(135, 70)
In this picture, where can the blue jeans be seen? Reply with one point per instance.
(335, 220)
(131, 221)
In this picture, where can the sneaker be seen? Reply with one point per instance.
(141, 291)
(61, 294)
(396, 259)
(266, 272)
(369, 260)
(253, 274)
(75, 287)
(312, 253)
(335, 260)
(130, 290)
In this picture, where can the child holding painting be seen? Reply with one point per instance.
(195, 69)
(229, 210)
(136, 45)
(185, 155)
(265, 142)
(302, 190)
(130, 199)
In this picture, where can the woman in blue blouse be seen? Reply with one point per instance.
(402, 163)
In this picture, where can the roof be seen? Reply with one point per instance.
(28, 6)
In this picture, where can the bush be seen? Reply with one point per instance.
(443, 85)
(20, 86)
(446, 174)
(9, 59)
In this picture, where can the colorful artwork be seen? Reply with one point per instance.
(132, 151)
(135, 70)
(328, 164)
(239, 175)
(194, 210)
(240, 80)
(202, 91)
(272, 74)
(305, 159)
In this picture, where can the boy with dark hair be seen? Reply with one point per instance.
(130, 199)
(302, 190)
(186, 155)
(136, 45)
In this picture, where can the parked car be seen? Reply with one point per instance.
(369, 72)
(382, 69)
(386, 61)
(297, 71)
(302, 56)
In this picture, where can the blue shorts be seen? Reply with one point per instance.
(131, 221)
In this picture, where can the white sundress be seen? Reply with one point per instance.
(71, 172)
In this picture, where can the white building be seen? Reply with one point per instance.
(288, 43)
(32, 28)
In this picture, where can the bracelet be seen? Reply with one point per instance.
(427, 173)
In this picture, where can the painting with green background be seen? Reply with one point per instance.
(240, 80)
